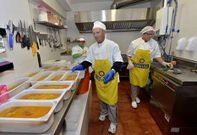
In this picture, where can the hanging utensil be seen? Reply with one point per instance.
(22, 35)
(11, 32)
(18, 36)
(35, 37)
(33, 45)
(39, 59)
(56, 44)
(28, 39)
(60, 38)
(48, 41)
(21, 32)
(25, 39)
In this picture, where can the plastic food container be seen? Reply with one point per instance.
(72, 76)
(40, 76)
(56, 76)
(66, 90)
(64, 68)
(13, 85)
(53, 68)
(58, 85)
(27, 125)
(57, 100)
(17, 86)
(43, 16)
(33, 73)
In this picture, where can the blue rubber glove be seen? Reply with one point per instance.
(78, 67)
(108, 77)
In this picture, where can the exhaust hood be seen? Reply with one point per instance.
(116, 19)
(124, 3)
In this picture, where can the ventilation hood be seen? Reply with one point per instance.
(124, 3)
(116, 19)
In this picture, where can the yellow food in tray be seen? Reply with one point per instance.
(71, 77)
(42, 77)
(48, 86)
(40, 96)
(56, 78)
(25, 112)
(66, 68)
(32, 74)
(14, 86)
(53, 68)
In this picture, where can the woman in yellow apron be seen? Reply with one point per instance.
(106, 59)
(140, 54)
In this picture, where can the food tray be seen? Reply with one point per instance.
(66, 90)
(69, 83)
(51, 77)
(52, 68)
(27, 125)
(58, 101)
(24, 84)
(75, 80)
(33, 73)
(40, 76)
(16, 83)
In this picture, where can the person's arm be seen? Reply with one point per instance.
(157, 56)
(117, 63)
(86, 64)
(88, 61)
(130, 53)
(85, 51)
(117, 58)
(117, 66)
(162, 62)
(77, 55)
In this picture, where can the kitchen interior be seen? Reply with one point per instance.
(36, 38)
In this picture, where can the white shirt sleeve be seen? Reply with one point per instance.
(85, 51)
(90, 56)
(156, 52)
(130, 51)
(117, 54)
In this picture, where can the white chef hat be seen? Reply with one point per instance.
(98, 24)
(147, 29)
(81, 39)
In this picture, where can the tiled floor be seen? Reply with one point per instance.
(130, 121)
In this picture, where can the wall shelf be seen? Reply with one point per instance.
(45, 23)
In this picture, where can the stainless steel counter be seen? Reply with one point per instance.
(174, 100)
(185, 78)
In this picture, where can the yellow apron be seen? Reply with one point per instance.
(108, 93)
(139, 74)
